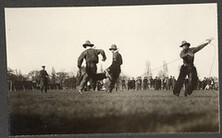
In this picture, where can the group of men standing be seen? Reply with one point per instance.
(91, 57)
(148, 83)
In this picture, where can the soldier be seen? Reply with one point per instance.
(133, 83)
(128, 84)
(155, 83)
(138, 83)
(123, 82)
(165, 83)
(145, 83)
(151, 83)
(170, 83)
(173, 82)
(43, 79)
(114, 69)
(188, 68)
(91, 57)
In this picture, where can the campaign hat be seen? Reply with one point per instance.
(184, 43)
(87, 43)
(113, 47)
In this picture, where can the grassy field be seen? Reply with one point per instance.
(67, 112)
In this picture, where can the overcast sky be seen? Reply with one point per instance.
(54, 36)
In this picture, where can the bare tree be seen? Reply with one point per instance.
(61, 76)
(148, 69)
(165, 69)
(11, 74)
(53, 75)
(34, 75)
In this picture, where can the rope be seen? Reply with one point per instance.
(168, 63)
(162, 66)
(212, 66)
(213, 59)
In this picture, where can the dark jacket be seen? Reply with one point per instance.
(91, 56)
(43, 74)
(116, 63)
(188, 59)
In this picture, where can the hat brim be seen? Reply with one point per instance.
(186, 44)
(85, 45)
(112, 49)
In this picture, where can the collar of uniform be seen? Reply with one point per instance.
(88, 48)
(116, 51)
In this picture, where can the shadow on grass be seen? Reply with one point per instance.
(137, 123)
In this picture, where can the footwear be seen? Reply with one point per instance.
(80, 91)
(107, 74)
(176, 94)
(190, 93)
(185, 93)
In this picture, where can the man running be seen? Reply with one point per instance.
(91, 57)
(114, 70)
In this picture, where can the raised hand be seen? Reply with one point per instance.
(209, 40)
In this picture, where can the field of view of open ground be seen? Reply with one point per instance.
(68, 112)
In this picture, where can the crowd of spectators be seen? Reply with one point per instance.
(165, 83)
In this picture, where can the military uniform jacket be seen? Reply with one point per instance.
(188, 59)
(116, 63)
(91, 56)
(43, 74)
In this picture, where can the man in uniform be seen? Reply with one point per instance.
(138, 83)
(123, 82)
(145, 83)
(43, 79)
(91, 57)
(188, 68)
(114, 69)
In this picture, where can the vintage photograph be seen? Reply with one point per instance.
(113, 69)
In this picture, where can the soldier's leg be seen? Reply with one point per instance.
(41, 85)
(45, 85)
(45, 88)
(85, 79)
(188, 84)
(193, 81)
(93, 75)
(113, 82)
(180, 80)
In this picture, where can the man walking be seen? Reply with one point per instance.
(43, 79)
(188, 68)
(114, 70)
(91, 57)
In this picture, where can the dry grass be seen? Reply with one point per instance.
(67, 112)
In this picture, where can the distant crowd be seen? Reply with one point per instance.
(166, 83)
(148, 83)
(157, 83)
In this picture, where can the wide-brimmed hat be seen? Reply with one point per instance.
(185, 43)
(43, 66)
(113, 47)
(87, 43)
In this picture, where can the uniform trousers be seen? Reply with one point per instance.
(44, 84)
(90, 74)
(111, 85)
(191, 71)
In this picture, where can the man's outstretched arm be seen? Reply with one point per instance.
(198, 48)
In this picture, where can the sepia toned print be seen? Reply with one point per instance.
(121, 69)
